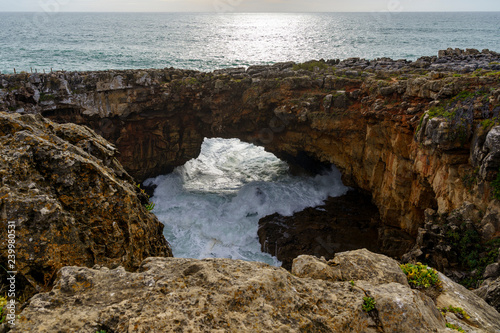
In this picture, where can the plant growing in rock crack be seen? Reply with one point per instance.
(421, 276)
(455, 327)
(495, 185)
(368, 304)
(149, 205)
(459, 312)
(3, 303)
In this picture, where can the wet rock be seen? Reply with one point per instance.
(70, 201)
(343, 223)
(229, 295)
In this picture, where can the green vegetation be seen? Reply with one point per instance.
(455, 327)
(191, 81)
(488, 123)
(46, 97)
(471, 254)
(495, 185)
(439, 111)
(459, 312)
(420, 276)
(149, 205)
(310, 65)
(368, 304)
(3, 303)
(457, 75)
(469, 180)
(352, 283)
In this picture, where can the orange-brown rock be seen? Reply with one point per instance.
(367, 120)
(67, 201)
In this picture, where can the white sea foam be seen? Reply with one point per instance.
(211, 206)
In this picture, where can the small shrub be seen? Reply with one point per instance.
(3, 303)
(488, 123)
(455, 327)
(420, 276)
(470, 179)
(368, 304)
(150, 206)
(459, 312)
(46, 97)
(439, 111)
(496, 186)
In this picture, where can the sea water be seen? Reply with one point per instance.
(208, 41)
(211, 206)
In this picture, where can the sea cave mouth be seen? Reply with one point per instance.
(211, 206)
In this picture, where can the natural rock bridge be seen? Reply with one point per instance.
(367, 119)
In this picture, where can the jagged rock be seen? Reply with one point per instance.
(490, 292)
(483, 317)
(221, 295)
(159, 118)
(70, 201)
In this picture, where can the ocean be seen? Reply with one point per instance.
(211, 206)
(208, 41)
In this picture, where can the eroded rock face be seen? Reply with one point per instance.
(71, 202)
(222, 295)
(366, 117)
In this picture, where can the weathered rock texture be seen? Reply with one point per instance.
(415, 135)
(221, 295)
(71, 202)
(366, 117)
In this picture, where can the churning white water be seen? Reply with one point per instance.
(211, 206)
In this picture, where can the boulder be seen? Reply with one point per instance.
(490, 292)
(69, 201)
(223, 295)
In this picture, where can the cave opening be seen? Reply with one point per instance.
(235, 200)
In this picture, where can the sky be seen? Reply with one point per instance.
(246, 5)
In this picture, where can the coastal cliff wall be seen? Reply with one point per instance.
(416, 135)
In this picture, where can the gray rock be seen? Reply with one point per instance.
(490, 292)
(221, 295)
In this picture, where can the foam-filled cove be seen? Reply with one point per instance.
(211, 206)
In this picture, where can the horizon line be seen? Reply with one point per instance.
(255, 12)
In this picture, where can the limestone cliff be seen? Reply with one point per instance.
(70, 202)
(415, 135)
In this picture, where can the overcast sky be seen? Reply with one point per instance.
(247, 5)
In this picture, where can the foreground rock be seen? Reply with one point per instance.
(222, 295)
(70, 201)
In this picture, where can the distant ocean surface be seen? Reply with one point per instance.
(208, 41)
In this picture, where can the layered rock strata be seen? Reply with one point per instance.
(222, 295)
(415, 135)
(70, 202)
